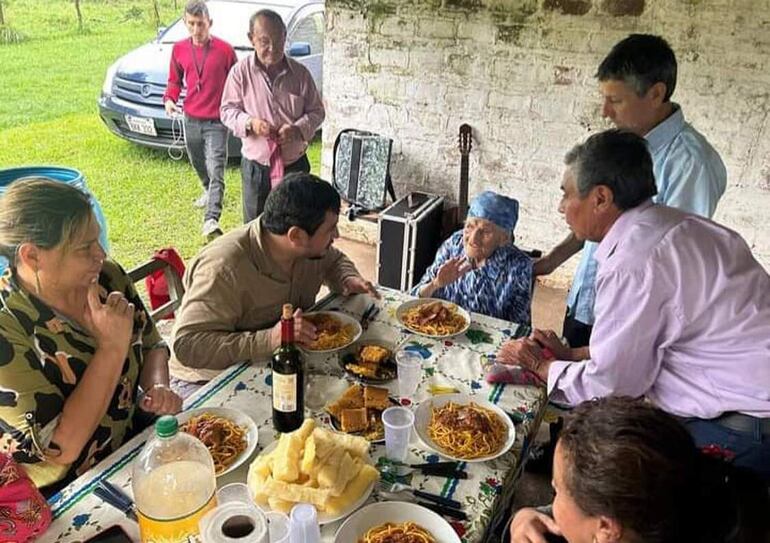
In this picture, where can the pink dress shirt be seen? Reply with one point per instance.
(291, 98)
(682, 318)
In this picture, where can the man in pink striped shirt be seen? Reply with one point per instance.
(271, 102)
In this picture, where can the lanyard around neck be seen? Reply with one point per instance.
(199, 69)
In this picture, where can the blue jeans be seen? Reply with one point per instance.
(751, 449)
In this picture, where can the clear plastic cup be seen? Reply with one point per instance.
(398, 422)
(278, 527)
(409, 366)
(304, 524)
(234, 492)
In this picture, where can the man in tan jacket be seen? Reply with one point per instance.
(236, 285)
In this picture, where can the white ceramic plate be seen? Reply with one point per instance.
(345, 319)
(238, 417)
(423, 413)
(404, 307)
(326, 518)
(355, 527)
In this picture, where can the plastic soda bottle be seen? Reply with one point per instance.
(174, 485)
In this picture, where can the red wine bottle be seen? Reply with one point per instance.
(288, 367)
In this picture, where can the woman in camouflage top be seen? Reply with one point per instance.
(76, 345)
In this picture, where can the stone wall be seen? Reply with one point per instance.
(520, 72)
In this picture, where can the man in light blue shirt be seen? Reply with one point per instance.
(637, 79)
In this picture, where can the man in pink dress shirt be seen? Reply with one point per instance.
(271, 102)
(682, 307)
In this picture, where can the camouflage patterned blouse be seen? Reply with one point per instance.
(42, 357)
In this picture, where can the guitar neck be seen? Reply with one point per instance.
(463, 196)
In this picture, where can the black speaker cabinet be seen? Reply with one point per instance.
(409, 236)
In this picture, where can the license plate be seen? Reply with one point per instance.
(141, 125)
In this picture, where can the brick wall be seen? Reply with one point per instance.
(521, 74)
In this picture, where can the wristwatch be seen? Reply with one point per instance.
(248, 125)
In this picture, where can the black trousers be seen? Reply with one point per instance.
(578, 334)
(256, 184)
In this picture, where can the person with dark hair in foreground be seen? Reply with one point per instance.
(637, 79)
(236, 285)
(625, 471)
(683, 308)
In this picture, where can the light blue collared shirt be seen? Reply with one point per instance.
(689, 175)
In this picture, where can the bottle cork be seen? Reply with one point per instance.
(288, 312)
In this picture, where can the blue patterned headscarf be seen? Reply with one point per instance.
(496, 208)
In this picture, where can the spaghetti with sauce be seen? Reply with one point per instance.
(331, 332)
(467, 431)
(404, 532)
(434, 319)
(224, 439)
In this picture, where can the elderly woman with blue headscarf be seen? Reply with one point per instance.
(479, 268)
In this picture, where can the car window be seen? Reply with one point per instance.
(230, 22)
(310, 29)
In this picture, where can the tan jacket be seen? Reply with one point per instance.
(233, 296)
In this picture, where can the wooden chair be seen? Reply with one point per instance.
(175, 287)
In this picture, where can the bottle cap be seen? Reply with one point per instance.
(166, 426)
(288, 312)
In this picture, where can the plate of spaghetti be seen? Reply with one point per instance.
(464, 428)
(386, 522)
(433, 318)
(230, 435)
(335, 331)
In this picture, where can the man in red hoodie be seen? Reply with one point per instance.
(201, 64)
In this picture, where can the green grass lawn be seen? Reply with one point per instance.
(49, 86)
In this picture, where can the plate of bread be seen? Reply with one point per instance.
(370, 361)
(358, 411)
(332, 471)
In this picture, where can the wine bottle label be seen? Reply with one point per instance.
(285, 392)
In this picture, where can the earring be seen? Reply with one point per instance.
(37, 283)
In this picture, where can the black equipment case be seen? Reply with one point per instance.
(409, 234)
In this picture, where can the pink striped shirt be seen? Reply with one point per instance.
(292, 98)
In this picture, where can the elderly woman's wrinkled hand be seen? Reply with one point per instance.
(451, 271)
(531, 526)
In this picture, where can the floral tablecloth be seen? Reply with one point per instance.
(457, 363)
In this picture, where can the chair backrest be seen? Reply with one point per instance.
(175, 287)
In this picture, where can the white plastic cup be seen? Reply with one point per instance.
(409, 372)
(398, 422)
(234, 492)
(278, 527)
(304, 524)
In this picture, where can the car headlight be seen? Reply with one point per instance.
(108, 78)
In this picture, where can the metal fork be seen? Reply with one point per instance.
(389, 486)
